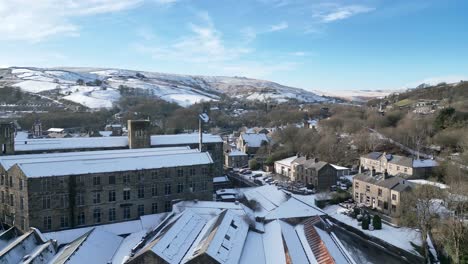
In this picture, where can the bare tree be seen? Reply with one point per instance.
(421, 209)
(454, 229)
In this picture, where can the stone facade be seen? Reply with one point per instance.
(380, 192)
(236, 159)
(7, 139)
(317, 173)
(139, 134)
(396, 165)
(62, 202)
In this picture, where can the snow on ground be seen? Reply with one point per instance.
(36, 86)
(426, 182)
(88, 100)
(399, 237)
(184, 90)
(185, 100)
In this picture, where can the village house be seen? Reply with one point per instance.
(250, 143)
(310, 171)
(380, 191)
(318, 174)
(235, 159)
(285, 166)
(395, 164)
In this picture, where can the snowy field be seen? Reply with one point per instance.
(399, 237)
(184, 90)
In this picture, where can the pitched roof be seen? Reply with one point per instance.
(46, 144)
(401, 160)
(254, 140)
(87, 165)
(392, 182)
(373, 155)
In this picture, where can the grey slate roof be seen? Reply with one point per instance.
(373, 155)
(394, 182)
(402, 161)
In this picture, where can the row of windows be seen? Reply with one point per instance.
(10, 199)
(97, 196)
(112, 215)
(111, 179)
(4, 180)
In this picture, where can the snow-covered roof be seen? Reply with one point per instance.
(220, 231)
(175, 241)
(272, 243)
(227, 191)
(154, 160)
(293, 243)
(44, 144)
(21, 135)
(29, 244)
(180, 139)
(236, 152)
(424, 163)
(95, 246)
(56, 130)
(253, 249)
(254, 140)
(220, 179)
(223, 240)
(207, 208)
(293, 208)
(287, 161)
(8, 161)
(268, 198)
(47, 144)
(337, 167)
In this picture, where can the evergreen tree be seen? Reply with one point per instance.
(377, 222)
(365, 223)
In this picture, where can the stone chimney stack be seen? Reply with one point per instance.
(7, 139)
(139, 134)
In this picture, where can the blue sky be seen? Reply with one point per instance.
(311, 44)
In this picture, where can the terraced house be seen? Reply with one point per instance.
(380, 191)
(406, 167)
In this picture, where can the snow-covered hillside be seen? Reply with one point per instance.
(103, 87)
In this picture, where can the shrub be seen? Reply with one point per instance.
(253, 165)
(377, 222)
(365, 223)
(320, 203)
(356, 212)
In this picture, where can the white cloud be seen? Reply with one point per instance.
(281, 26)
(35, 20)
(327, 13)
(204, 47)
(203, 44)
(165, 2)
